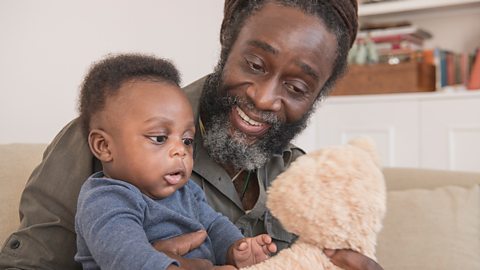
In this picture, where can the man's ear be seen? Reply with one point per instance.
(99, 142)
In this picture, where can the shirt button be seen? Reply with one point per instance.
(14, 244)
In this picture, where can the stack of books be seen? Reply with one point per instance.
(394, 42)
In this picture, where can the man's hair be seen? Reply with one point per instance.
(339, 16)
(105, 78)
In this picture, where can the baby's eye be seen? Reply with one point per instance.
(188, 141)
(158, 139)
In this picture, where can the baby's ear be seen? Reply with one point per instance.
(99, 142)
(368, 145)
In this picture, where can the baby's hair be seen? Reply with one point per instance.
(106, 76)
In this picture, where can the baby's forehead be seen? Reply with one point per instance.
(171, 102)
(150, 95)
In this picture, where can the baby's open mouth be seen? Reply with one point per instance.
(174, 178)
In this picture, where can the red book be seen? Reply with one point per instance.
(474, 82)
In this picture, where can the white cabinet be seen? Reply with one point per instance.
(428, 130)
(450, 133)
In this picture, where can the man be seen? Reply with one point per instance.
(278, 59)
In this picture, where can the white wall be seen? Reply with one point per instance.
(47, 46)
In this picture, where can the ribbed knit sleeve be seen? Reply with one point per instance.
(109, 227)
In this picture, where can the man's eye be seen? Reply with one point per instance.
(294, 88)
(256, 66)
(158, 139)
(188, 141)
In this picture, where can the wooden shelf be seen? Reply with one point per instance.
(400, 6)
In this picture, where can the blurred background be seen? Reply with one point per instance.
(411, 83)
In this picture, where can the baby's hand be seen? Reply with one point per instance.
(252, 250)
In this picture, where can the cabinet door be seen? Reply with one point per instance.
(392, 124)
(450, 134)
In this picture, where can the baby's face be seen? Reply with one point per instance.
(152, 130)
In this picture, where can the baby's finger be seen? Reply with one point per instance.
(263, 239)
(272, 248)
(242, 245)
(266, 249)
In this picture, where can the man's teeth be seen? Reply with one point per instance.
(247, 119)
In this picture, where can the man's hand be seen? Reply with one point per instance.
(191, 264)
(177, 247)
(351, 260)
(182, 244)
(225, 267)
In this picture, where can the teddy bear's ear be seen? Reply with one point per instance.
(368, 145)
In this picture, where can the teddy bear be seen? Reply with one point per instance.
(332, 198)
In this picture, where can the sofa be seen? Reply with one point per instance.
(432, 220)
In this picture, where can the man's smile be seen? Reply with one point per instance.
(246, 124)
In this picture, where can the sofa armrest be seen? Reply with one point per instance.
(17, 162)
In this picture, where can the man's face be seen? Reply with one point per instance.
(262, 96)
(150, 134)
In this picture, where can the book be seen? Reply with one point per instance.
(450, 68)
(465, 68)
(474, 81)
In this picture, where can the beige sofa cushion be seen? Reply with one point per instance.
(435, 228)
(408, 178)
(17, 162)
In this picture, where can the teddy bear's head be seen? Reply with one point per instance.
(332, 198)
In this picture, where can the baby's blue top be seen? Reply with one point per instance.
(116, 225)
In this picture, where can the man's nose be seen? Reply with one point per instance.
(266, 95)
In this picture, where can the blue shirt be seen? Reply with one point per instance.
(116, 224)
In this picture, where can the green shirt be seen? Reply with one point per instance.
(46, 237)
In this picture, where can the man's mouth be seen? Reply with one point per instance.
(246, 124)
(246, 118)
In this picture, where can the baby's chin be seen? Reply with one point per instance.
(163, 192)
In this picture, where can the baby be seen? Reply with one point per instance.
(140, 126)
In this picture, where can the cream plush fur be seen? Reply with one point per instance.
(332, 198)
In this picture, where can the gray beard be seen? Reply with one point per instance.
(223, 147)
(233, 149)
